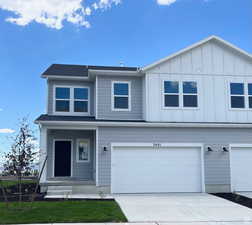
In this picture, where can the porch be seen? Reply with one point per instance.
(70, 167)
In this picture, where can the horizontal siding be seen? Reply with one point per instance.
(213, 66)
(80, 170)
(104, 111)
(51, 83)
(217, 171)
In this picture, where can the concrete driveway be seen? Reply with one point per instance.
(182, 208)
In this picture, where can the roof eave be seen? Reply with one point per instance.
(144, 124)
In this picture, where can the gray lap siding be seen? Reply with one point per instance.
(81, 170)
(104, 91)
(217, 167)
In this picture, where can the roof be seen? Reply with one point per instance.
(46, 117)
(80, 70)
(218, 39)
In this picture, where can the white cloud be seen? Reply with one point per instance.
(166, 2)
(52, 13)
(6, 131)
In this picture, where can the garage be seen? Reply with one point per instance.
(157, 168)
(241, 167)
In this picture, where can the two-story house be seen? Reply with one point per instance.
(181, 124)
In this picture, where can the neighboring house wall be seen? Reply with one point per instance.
(81, 170)
(67, 83)
(213, 66)
(217, 168)
(104, 91)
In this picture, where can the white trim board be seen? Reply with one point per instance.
(72, 124)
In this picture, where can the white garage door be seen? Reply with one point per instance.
(149, 170)
(241, 168)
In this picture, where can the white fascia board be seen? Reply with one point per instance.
(114, 72)
(143, 124)
(57, 77)
(241, 51)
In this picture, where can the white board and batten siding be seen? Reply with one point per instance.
(156, 168)
(213, 65)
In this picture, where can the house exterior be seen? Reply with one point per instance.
(181, 124)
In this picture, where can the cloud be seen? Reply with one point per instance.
(166, 2)
(52, 13)
(6, 131)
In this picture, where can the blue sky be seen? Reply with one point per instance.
(101, 32)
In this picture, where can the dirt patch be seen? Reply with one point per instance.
(242, 200)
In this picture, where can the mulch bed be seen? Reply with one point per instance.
(27, 191)
(242, 200)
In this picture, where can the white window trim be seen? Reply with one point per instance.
(113, 96)
(180, 94)
(72, 100)
(245, 95)
(77, 151)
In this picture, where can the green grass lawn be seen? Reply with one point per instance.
(61, 212)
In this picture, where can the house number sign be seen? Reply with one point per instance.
(157, 145)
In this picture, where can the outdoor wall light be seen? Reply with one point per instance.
(105, 148)
(209, 149)
(224, 149)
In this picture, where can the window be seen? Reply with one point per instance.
(171, 94)
(250, 95)
(237, 95)
(190, 94)
(62, 99)
(80, 100)
(71, 100)
(83, 151)
(184, 94)
(121, 96)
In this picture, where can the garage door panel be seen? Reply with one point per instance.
(241, 168)
(156, 170)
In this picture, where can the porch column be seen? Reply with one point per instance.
(43, 152)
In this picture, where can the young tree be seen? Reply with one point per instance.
(22, 154)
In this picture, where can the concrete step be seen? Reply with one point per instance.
(65, 188)
(59, 192)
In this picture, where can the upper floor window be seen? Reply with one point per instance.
(240, 95)
(171, 93)
(190, 94)
(80, 100)
(71, 100)
(120, 96)
(62, 99)
(180, 94)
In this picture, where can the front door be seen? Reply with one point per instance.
(62, 159)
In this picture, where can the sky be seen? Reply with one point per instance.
(34, 34)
